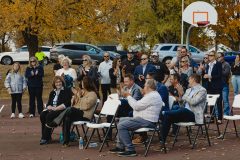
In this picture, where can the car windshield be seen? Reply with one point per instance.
(155, 47)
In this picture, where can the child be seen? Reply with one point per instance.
(16, 84)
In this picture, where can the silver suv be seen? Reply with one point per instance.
(168, 51)
(75, 51)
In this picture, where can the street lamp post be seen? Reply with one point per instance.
(182, 23)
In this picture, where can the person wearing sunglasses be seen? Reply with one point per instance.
(142, 70)
(214, 76)
(105, 81)
(87, 68)
(162, 72)
(34, 74)
(202, 69)
(226, 74)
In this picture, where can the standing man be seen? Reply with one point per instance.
(226, 72)
(175, 60)
(141, 71)
(129, 64)
(105, 80)
(162, 72)
(40, 55)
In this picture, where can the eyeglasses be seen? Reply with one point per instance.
(167, 63)
(32, 61)
(211, 55)
(119, 61)
(106, 56)
(183, 61)
(205, 57)
(143, 59)
(84, 59)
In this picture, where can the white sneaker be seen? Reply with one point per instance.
(12, 115)
(31, 115)
(20, 115)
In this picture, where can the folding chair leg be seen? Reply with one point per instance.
(149, 143)
(84, 133)
(99, 137)
(90, 138)
(175, 138)
(189, 136)
(104, 140)
(218, 129)
(225, 129)
(196, 137)
(235, 128)
(77, 131)
(201, 130)
(207, 135)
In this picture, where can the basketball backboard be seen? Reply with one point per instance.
(200, 12)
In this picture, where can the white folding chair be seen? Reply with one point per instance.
(82, 123)
(147, 144)
(109, 108)
(188, 126)
(236, 104)
(212, 102)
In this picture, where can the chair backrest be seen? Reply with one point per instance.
(236, 101)
(171, 100)
(94, 110)
(212, 99)
(110, 106)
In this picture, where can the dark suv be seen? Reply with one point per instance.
(75, 51)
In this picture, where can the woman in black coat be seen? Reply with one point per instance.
(214, 77)
(59, 99)
(116, 75)
(34, 74)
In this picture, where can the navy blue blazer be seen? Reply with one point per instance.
(216, 82)
(163, 91)
(139, 71)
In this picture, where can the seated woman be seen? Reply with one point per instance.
(82, 109)
(59, 99)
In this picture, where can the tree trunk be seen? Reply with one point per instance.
(31, 40)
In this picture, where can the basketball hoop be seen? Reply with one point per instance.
(203, 23)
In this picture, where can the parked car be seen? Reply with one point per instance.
(22, 55)
(168, 51)
(113, 48)
(75, 51)
(230, 56)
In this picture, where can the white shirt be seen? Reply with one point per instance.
(211, 64)
(144, 67)
(70, 71)
(148, 107)
(103, 69)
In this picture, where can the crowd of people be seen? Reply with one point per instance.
(144, 86)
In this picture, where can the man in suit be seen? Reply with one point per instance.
(214, 77)
(193, 111)
(142, 70)
(125, 110)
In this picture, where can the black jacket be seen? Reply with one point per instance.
(35, 80)
(114, 78)
(64, 97)
(216, 82)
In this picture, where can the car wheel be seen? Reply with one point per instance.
(7, 60)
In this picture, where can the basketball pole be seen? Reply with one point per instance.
(182, 22)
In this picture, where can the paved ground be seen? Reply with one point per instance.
(19, 140)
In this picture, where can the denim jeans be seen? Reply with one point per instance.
(127, 124)
(225, 95)
(174, 116)
(236, 84)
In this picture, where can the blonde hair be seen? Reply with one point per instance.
(60, 58)
(19, 68)
(66, 59)
(32, 59)
(88, 58)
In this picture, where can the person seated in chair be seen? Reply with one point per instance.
(59, 99)
(145, 114)
(83, 107)
(125, 109)
(194, 101)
